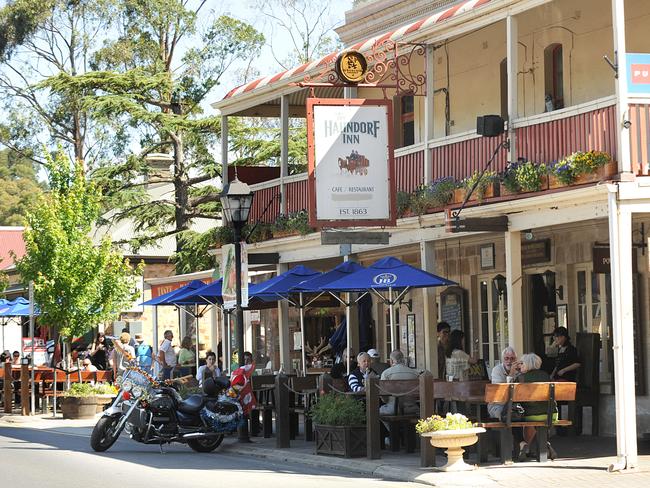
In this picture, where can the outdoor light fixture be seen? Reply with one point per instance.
(236, 200)
(407, 303)
(500, 282)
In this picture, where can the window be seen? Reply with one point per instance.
(493, 320)
(503, 73)
(595, 313)
(553, 78)
(407, 121)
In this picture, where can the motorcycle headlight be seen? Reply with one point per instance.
(137, 391)
(127, 385)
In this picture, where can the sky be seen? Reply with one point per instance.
(265, 64)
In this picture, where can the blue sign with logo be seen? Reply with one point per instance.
(384, 279)
(638, 74)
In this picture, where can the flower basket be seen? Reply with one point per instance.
(554, 182)
(492, 190)
(459, 195)
(454, 441)
(504, 192)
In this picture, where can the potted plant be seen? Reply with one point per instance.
(403, 203)
(452, 432)
(524, 176)
(340, 425)
(487, 186)
(291, 224)
(83, 400)
(587, 167)
(105, 394)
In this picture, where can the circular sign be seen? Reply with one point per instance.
(384, 279)
(351, 66)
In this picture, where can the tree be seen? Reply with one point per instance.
(19, 187)
(77, 284)
(39, 39)
(146, 80)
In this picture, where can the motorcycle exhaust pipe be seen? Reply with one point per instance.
(200, 435)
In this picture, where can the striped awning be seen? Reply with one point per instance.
(363, 46)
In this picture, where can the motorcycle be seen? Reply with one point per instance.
(154, 413)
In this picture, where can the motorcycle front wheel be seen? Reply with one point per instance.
(205, 445)
(104, 434)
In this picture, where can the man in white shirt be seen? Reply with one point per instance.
(500, 373)
(167, 356)
(398, 371)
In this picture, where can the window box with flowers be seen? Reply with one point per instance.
(487, 187)
(432, 197)
(584, 167)
(524, 176)
(452, 432)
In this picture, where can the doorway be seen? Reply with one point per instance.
(542, 315)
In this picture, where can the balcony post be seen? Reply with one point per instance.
(428, 113)
(622, 102)
(283, 328)
(224, 150)
(513, 68)
(428, 263)
(284, 151)
(514, 286)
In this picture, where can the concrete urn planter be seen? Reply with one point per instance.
(79, 407)
(454, 441)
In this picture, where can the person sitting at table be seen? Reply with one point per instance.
(376, 364)
(398, 371)
(567, 361)
(186, 356)
(457, 360)
(357, 378)
(16, 358)
(500, 373)
(529, 365)
(99, 352)
(209, 369)
(339, 370)
(444, 330)
(88, 365)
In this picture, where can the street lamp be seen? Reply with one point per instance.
(236, 200)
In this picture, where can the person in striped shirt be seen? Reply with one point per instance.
(357, 378)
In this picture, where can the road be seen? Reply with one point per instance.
(48, 458)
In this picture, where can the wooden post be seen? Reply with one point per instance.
(8, 390)
(282, 424)
(427, 401)
(373, 427)
(24, 389)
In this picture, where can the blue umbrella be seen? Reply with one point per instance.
(316, 285)
(166, 298)
(388, 274)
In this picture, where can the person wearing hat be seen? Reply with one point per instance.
(143, 353)
(567, 361)
(376, 365)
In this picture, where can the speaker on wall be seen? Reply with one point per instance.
(489, 125)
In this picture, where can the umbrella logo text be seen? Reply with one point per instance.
(384, 279)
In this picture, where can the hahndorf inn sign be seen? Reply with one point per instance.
(350, 162)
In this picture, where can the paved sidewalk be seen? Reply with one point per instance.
(585, 464)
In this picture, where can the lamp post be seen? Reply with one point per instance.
(236, 200)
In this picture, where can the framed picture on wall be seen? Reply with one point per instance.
(487, 256)
(410, 341)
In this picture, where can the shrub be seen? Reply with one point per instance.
(87, 390)
(564, 173)
(509, 177)
(403, 203)
(440, 191)
(293, 222)
(333, 409)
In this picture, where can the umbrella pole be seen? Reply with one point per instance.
(392, 321)
(302, 336)
(347, 331)
(31, 333)
(196, 326)
(223, 341)
(229, 351)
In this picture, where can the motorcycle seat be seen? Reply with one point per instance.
(192, 404)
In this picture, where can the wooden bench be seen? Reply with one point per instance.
(48, 390)
(527, 392)
(421, 390)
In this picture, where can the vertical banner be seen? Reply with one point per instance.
(350, 162)
(229, 284)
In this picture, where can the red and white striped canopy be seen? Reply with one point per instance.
(363, 46)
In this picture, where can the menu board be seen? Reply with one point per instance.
(452, 307)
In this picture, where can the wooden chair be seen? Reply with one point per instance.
(264, 391)
(303, 389)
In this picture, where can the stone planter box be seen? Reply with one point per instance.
(103, 401)
(454, 441)
(80, 407)
(336, 440)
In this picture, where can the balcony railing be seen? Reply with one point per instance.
(541, 138)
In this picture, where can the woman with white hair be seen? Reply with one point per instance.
(529, 365)
(357, 378)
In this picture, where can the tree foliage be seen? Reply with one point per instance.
(77, 284)
(19, 187)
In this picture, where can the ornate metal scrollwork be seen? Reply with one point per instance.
(390, 65)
